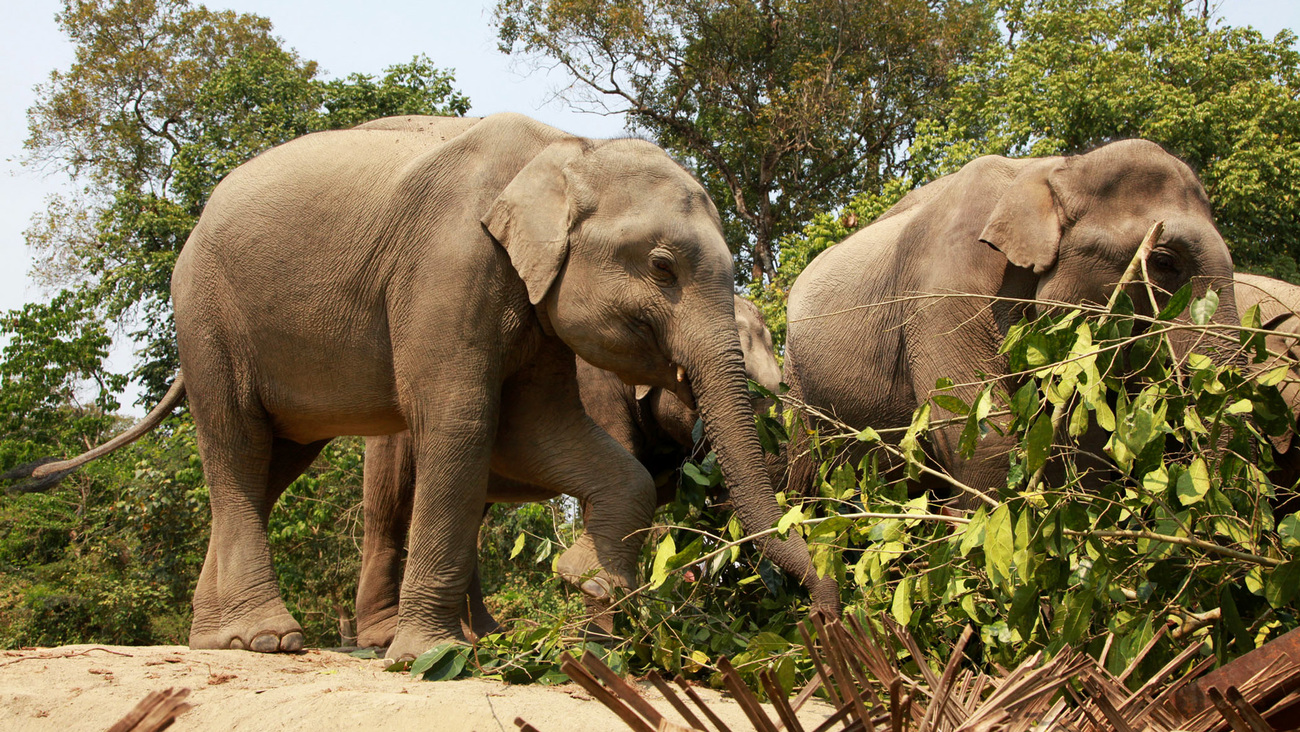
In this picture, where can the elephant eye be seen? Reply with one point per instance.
(663, 269)
(1164, 263)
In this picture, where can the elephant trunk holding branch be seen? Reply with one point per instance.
(652, 424)
(876, 320)
(373, 281)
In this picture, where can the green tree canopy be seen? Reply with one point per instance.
(1073, 74)
(785, 107)
(162, 100)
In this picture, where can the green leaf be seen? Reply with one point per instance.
(999, 545)
(1193, 483)
(974, 534)
(868, 435)
(1204, 308)
(1037, 442)
(1288, 529)
(1077, 618)
(444, 661)
(1273, 377)
(902, 605)
(791, 518)
(1078, 420)
(1177, 303)
(666, 550)
(519, 545)
(1282, 583)
(951, 403)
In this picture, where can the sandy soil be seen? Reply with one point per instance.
(91, 687)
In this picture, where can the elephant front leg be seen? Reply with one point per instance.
(546, 439)
(452, 450)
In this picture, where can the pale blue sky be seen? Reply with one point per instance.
(343, 37)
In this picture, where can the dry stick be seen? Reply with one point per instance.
(1059, 411)
(1247, 711)
(621, 688)
(678, 704)
(782, 705)
(584, 679)
(838, 672)
(820, 665)
(748, 702)
(809, 689)
(690, 694)
(1226, 711)
(940, 705)
(524, 726)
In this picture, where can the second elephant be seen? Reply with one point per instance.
(651, 423)
(929, 290)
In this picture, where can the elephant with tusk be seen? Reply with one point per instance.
(652, 424)
(371, 281)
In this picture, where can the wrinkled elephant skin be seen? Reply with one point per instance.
(370, 281)
(651, 424)
(877, 319)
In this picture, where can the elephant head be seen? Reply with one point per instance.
(622, 253)
(1076, 223)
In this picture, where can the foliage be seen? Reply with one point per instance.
(783, 107)
(1156, 509)
(1073, 74)
(220, 90)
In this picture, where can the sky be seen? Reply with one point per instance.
(344, 37)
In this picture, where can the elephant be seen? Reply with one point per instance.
(1279, 311)
(371, 281)
(650, 423)
(878, 319)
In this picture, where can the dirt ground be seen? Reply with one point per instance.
(91, 687)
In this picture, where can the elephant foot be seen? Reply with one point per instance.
(409, 643)
(377, 633)
(278, 633)
(580, 567)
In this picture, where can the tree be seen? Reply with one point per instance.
(163, 99)
(784, 107)
(1073, 74)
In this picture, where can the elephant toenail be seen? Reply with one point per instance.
(291, 642)
(237, 644)
(266, 643)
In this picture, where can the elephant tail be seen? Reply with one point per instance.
(45, 473)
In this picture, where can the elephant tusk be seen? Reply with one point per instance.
(681, 374)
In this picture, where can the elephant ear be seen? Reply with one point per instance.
(1025, 224)
(532, 216)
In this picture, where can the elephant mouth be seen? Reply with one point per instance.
(682, 388)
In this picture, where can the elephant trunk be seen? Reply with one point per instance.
(717, 380)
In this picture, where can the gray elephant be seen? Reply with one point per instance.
(877, 319)
(1279, 311)
(650, 423)
(373, 281)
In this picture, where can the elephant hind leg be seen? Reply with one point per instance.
(237, 603)
(546, 439)
(388, 487)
